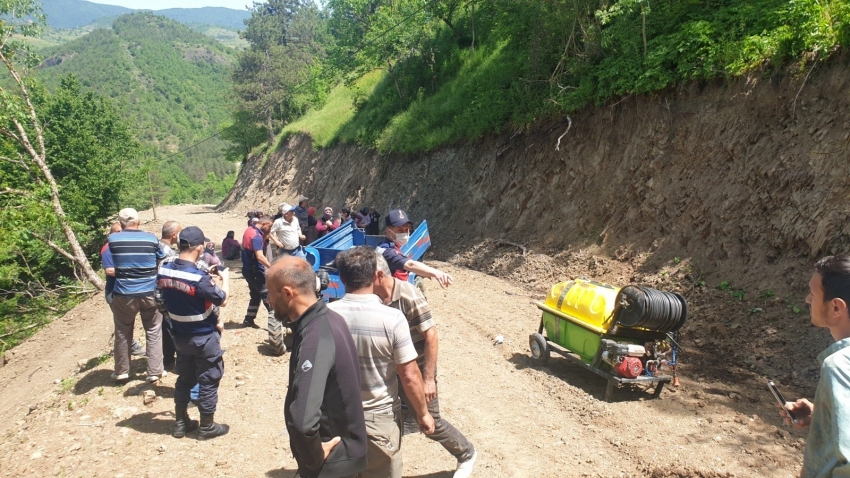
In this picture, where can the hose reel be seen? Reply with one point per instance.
(651, 309)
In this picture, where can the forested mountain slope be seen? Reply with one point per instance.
(171, 83)
(69, 14)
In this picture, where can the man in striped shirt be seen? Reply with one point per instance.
(405, 297)
(134, 255)
(386, 354)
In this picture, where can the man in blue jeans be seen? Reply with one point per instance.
(192, 298)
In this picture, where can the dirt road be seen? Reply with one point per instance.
(61, 415)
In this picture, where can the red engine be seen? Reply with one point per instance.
(630, 367)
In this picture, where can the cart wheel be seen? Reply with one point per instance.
(539, 348)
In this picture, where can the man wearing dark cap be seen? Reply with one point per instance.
(323, 408)
(192, 298)
(399, 227)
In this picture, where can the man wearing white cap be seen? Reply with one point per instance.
(135, 255)
(286, 233)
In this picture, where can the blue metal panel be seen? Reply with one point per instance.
(419, 242)
(348, 236)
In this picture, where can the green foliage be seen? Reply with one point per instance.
(270, 77)
(451, 74)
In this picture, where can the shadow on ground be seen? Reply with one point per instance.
(149, 422)
(92, 380)
(281, 473)
(586, 380)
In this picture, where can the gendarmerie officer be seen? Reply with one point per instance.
(192, 298)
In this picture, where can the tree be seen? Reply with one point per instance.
(25, 150)
(284, 37)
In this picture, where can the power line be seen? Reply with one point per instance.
(319, 75)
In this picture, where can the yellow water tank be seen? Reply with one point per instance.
(589, 302)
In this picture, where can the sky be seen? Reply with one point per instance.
(161, 4)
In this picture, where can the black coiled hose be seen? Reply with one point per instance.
(651, 309)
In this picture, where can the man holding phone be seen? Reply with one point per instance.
(192, 298)
(828, 418)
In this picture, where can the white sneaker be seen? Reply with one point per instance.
(155, 378)
(120, 377)
(464, 468)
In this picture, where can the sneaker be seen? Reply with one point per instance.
(120, 377)
(137, 349)
(250, 323)
(155, 378)
(464, 468)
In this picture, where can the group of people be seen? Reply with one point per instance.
(345, 411)
(296, 226)
(362, 372)
(178, 295)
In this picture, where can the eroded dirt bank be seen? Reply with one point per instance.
(748, 179)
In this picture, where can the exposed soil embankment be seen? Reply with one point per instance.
(725, 192)
(747, 179)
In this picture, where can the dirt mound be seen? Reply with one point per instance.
(686, 472)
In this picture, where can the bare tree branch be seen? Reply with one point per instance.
(53, 246)
(569, 125)
(39, 157)
(16, 192)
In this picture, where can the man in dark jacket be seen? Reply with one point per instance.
(192, 298)
(323, 408)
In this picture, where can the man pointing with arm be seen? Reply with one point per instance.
(398, 233)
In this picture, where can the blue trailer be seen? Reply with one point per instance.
(321, 253)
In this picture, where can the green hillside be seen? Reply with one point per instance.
(171, 83)
(451, 70)
(71, 14)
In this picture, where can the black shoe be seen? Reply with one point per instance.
(250, 323)
(137, 349)
(183, 425)
(211, 429)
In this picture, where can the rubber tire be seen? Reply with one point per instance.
(277, 336)
(539, 347)
(419, 283)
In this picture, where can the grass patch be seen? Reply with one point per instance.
(95, 361)
(21, 317)
(330, 123)
(66, 385)
(539, 60)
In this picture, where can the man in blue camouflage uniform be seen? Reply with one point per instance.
(192, 298)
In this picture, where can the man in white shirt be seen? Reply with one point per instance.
(286, 233)
(382, 338)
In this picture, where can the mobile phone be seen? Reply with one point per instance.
(779, 398)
